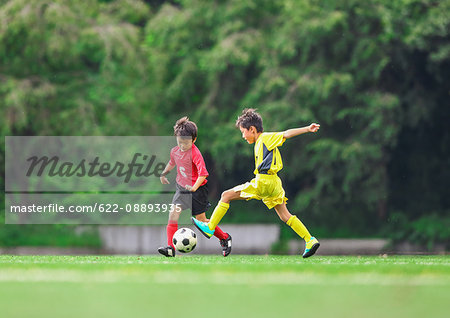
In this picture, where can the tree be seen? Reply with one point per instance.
(338, 63)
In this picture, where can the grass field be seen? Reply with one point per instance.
(213, 286)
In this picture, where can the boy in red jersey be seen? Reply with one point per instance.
(192, 187)
(266, 186)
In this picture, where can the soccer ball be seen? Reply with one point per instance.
(184, 240)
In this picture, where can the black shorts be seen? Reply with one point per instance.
(196, 201)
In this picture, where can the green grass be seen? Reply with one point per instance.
(213, 286)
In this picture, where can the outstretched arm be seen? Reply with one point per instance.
(303, 130)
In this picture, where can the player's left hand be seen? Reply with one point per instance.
(313, 127)
(189, 188)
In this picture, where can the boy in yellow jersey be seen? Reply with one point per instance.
(266, 186)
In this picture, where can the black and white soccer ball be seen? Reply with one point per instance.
(184, 240)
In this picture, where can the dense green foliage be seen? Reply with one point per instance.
(373, 73)
(60, 235)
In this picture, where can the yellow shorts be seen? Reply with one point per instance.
(265, 187)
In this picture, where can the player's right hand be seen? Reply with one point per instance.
(164, 180)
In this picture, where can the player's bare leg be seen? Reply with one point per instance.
(283, 212)
(230, 195)
(174, 214)
(312, 244)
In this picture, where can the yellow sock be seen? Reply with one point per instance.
(218, 214)
(299, 228)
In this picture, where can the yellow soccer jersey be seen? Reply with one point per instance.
(267, 156)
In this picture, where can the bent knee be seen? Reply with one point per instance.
(227, 196)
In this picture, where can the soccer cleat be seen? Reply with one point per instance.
(311, 247)
(168, 251)
(226, 245)
(203, 228)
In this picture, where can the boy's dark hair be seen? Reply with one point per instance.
(248, 118)
(185, 127)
